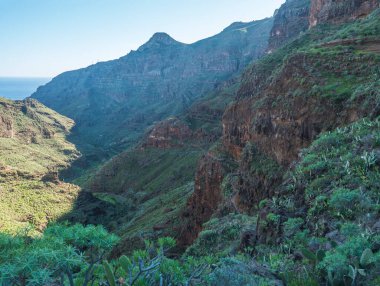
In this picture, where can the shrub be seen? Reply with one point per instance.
(345, 202)
(61, 255)
(292, 226)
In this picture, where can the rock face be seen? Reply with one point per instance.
(289, 21)
(338, 11)
(284, 102)
(167, 134)
(113, 102)
(205, 199)
(280, 119)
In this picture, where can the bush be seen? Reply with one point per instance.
(346, 202)
(292, 226)
(61, 255)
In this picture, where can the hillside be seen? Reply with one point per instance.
(324, 79)
(261, 169)
(33, 148)
(142, 192)
(314, 84)
(114, 102)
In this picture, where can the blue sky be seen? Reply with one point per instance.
(47, 37)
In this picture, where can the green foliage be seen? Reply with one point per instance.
(273, 218)
(263, 203)
(109, 273)
(220, 235)
(233, 271)
(61, 255)
(346, 202)
(336, 183)
(344, 259)
(292, 226)
(364, 28)
(367, 257)
(350, 230)
(152, 267)
(159, 181)
(35, 147)
(260, 164)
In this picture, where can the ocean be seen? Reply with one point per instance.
(20, 88)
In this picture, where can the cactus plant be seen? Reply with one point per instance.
(366, 257)
(109, 273)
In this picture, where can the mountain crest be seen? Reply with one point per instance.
(159, 40)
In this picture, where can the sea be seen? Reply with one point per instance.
(19, 88)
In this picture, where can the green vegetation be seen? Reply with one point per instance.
(338, 177)
(147, 188)
(221, 236)
(33, 148)
(315, 222)
(63, 255)
(77, 256)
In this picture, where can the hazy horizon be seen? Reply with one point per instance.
(43, 38)
(18, 88)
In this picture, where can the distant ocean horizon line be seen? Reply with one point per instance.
(26, 77)
(18, 88)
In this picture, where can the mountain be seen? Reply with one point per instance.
(269, 177)
(290, 20)
(263, 167)
(328, 11)
(315, 84)
(292, 130)
(166, 159)
(114, 102)
(33, 148)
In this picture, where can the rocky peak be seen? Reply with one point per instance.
(290, 20)
(338, 11)
(159, 40)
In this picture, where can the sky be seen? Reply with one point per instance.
(43, 38)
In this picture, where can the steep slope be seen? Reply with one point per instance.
(328, 11)
(142, 192)
(309, 217)
(284, 101)
(317, 83)
(113, 102)
(33, 147)
(290, 20)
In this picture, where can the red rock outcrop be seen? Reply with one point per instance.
(338, 11)
(281, 107)
(168, 133)
(280, 118)
(204, 201)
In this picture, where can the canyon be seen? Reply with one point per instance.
(261, 142)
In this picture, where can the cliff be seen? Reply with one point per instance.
(167, 134)
(290, 20)
(284, 102)
(329, 11)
